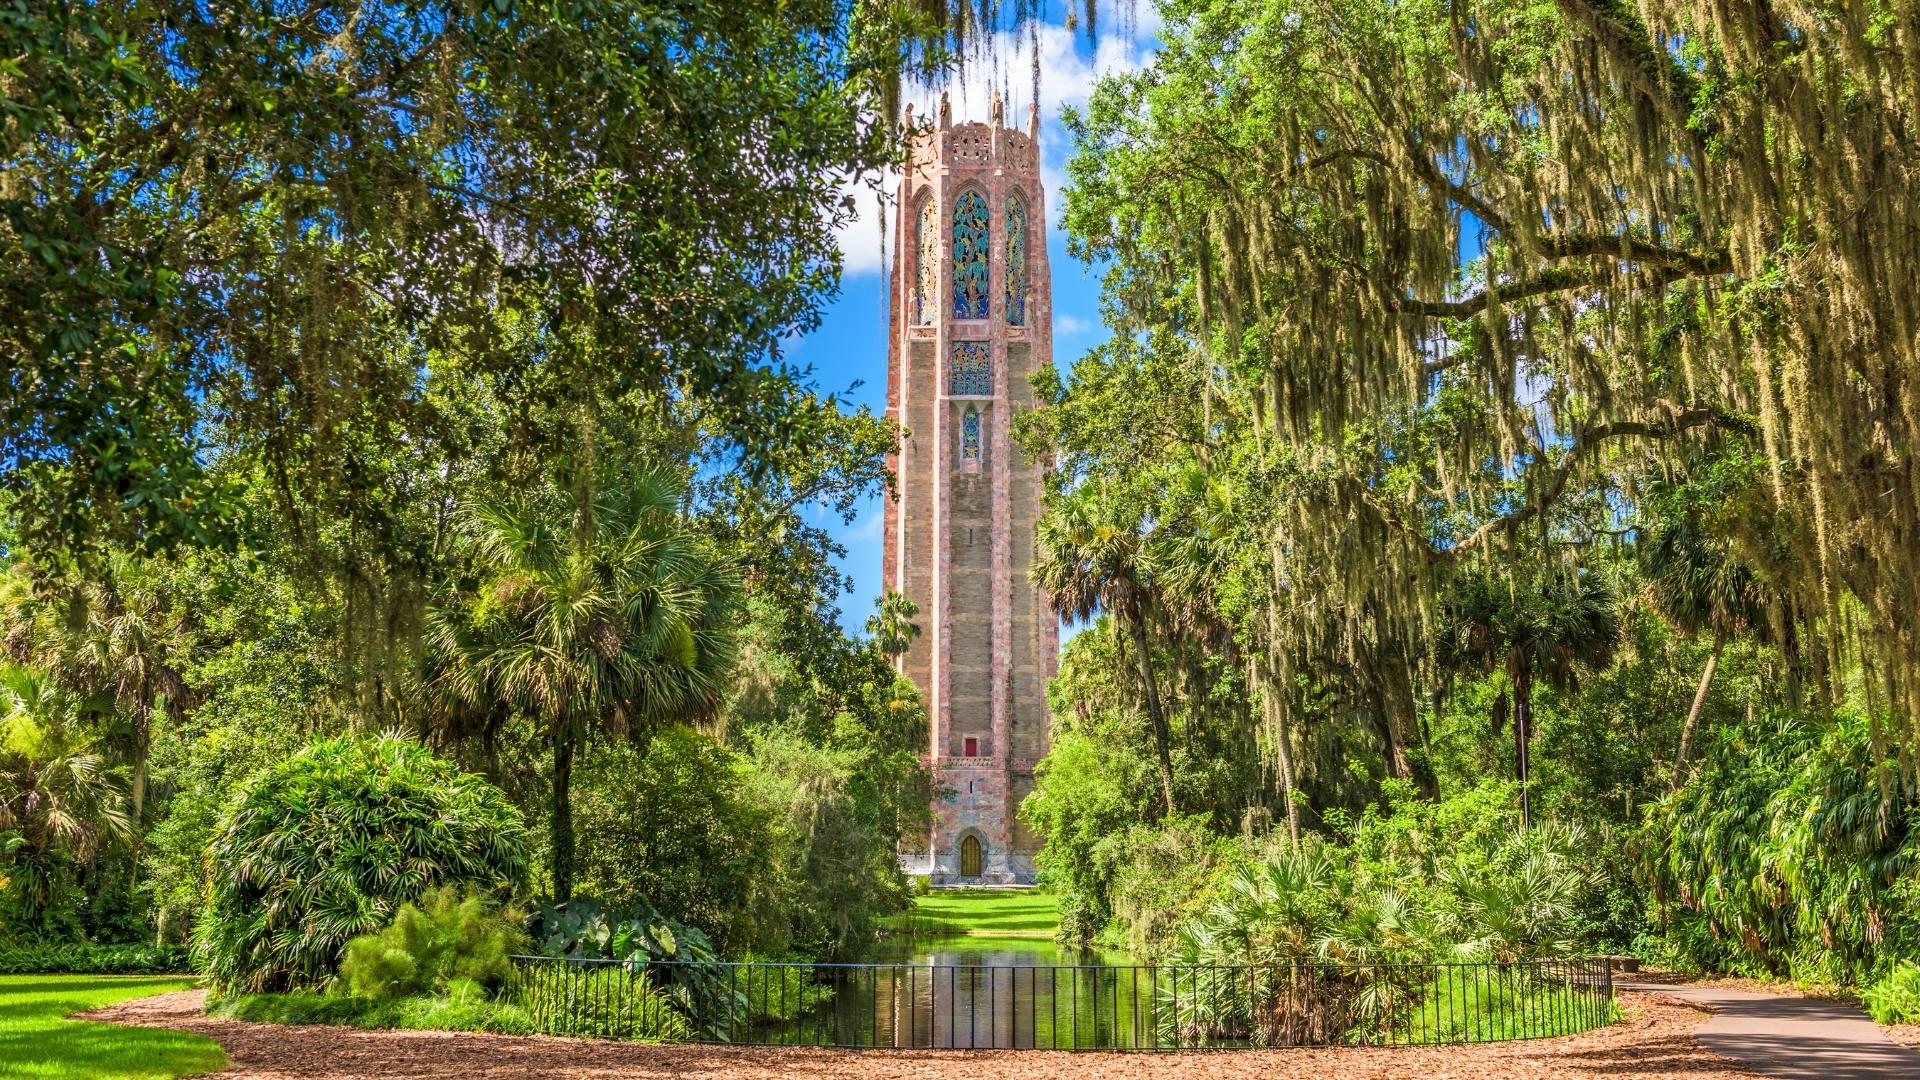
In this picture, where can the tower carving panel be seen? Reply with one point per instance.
(972, 319)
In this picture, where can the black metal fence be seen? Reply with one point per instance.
(1067, 1007)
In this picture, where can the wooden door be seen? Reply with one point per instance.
(970, 857)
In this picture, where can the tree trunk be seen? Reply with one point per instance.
(562, 815)
(1158, 718)
(1402, 720)
(1282, 753)
(1693, 714)
(1522, 732)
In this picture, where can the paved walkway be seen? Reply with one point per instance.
(1778, 1035)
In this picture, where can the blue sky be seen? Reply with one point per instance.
(850, 346)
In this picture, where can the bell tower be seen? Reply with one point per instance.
(971, 321)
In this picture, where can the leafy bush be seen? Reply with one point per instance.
(607, 1000)
(88, 959)
(1790, 853)
(676, 828)
(681, 957)
(326, 846)
(446, 944)
(428, 1012)
(1895, 998)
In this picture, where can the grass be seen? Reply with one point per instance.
(984, 913)
(36, 1041)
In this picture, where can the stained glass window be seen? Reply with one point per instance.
(970, 435)
(927, 246)
(970, 237)
(1016, 261)
(972, 374)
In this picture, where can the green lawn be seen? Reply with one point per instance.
(985, 913)
(36, 1042)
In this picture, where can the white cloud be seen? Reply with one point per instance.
(1067, 324)
(1067, 77)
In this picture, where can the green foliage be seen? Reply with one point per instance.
(328, 844)
(42, 1043)
(617, 1001)
(1894, 998)
(678, 828)
(430, 1012)
(24, 958)
(656, 957)
(303, 188)
(60, 802)
(446, 945)
(1790, 853)
(611, 617)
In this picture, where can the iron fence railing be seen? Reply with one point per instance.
(1066, 1007)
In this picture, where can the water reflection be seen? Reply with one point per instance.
(961, 993)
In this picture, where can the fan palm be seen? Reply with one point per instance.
(1092, 558)
(892, 624)
(56, 793)
(1548, 629)
(604, 627)
(1696, 583)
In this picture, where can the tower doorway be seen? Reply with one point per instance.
(970, 856)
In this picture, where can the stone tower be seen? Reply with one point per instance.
(972, 319)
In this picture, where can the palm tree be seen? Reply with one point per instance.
(1699, 586)
(1093, 558)
(1548, 629)
(115, 641)
(892, 624)
(55, 792)
(609, 626)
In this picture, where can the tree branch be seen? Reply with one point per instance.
(1584, 443)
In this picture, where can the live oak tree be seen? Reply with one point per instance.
(1485, 268)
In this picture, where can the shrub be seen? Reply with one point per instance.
(426, 1012)
(678, 828)
(605, 1000)
(447, 943)
(326, 846)
(684, 958)
(1895, 998)
(87, 959)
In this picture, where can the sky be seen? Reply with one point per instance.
(848, 352)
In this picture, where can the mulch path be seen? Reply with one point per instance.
(1656, 1040)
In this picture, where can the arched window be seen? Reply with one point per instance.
(970, 856)
(970, 239)
(926, 245)
(972, 374)
(1016, 261)
(970, 434)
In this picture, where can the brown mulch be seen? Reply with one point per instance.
(1656, 1040)
(1904, 1034)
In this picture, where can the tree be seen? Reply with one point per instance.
(1700, 586)
(892, 625)
(1547, 629)
(604, 622)
(58, 796)
(1092, 558)
(1626, 232)
(267, 256)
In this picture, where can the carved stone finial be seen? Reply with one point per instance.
(906, 122)
(1033, 120)
(946, 110)
(997, 112)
